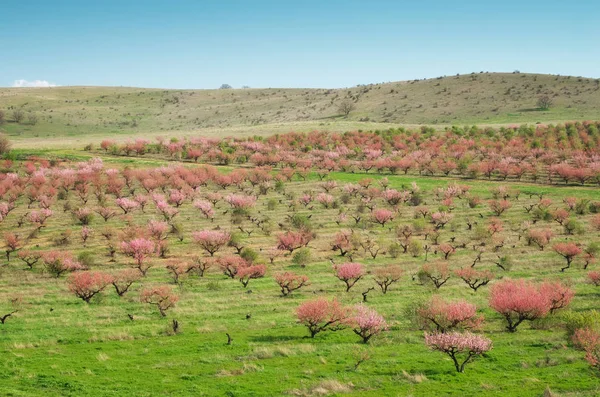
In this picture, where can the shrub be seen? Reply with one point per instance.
(435, 273)
(302, 257)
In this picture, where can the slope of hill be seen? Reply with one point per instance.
(482, 98)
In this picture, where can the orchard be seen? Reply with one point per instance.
(396, 262)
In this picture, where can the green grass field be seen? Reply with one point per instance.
(60, 346)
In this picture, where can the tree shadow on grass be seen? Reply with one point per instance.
(273, 338)
(531, 110)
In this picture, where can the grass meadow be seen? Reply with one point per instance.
(58, 345)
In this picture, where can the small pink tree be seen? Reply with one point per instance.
(474, 278)
(325, 199)
(29, 257)
(382, 216)
(211, 240)
(292, 240)
(247, 273)
(289, 282)
(589, 340)
(162, 297)
(517, 301)
(558, 294)
(594, 278)
(124, 279)
(367, 323)
(206, 208)
(386, 276)
(59, 262)
(342, 242)
(446, 250)
(442, 316)
(349, 273)
(568, 251)
(231, 265)
(460, 347)
(321, 315)
(86, 285)
(498, 207)
(436, 273)
(13, 244)
(127, 204)
(140, 249)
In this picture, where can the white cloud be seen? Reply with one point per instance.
(34, 83)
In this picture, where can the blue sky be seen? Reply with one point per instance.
(304, 43)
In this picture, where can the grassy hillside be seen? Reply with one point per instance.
(88, 113)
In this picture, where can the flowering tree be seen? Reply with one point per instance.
(206, 208)
(367, 323)
(124, 279)
(442, 316)
(568, 251)
(594, 278)
(382, 216)
(140, 250)
(29, 257)
(86, 285)
(127, 204)
(325, 199)
(39, 218)
(292, 240)
(349, 273)
(211, 240)
(321, 315)
(517, 301)
(342, 242)
(162, 297)
(231, 265)
(106, 213)
(12, 242)
(247, 273)
(387, 275)
(474, 278)
(60, 262)
(240, 202)
(498, 207)
(440, 219)
(557, 294)
(539, 237)
(460, 347)
(446, 250)
(589, 340)
(289, 282)
(436, 273)
(179, 269)
(158, 229)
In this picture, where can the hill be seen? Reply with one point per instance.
(89, 113)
